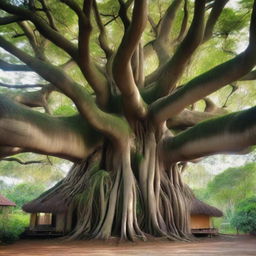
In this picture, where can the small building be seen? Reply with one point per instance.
(49, 216)
(201, 218)
(5, 204)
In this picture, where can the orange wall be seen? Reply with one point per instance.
(199, 221)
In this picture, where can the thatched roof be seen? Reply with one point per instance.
(54, 204)
(51, 201)
(200, 208)
(6, 202)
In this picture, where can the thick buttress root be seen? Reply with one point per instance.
(129, 195)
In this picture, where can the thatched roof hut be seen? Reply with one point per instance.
(4, 202)
(200, 218)
(50, 214)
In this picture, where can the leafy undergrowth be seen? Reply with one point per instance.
(12, 225)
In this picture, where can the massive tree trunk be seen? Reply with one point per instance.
(127, 192)
(126, 180)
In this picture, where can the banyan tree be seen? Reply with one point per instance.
(127, 70)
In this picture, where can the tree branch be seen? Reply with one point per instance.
(208, 82)
(184, 23)
(122, 13)
(42, 27)
(21, 86)
(102, 36)
(10, 19)
(250, 76)
(161, 43)
(95, 78)
(211, 107)
(29, 33)
(122, 71)
(33, 99)
(175, 67)
(216, 11)
(20, 127)
(14, 67)
(15, 159)
(188, 118)
(48, 14)
(228, 134)
(110, 125)
(166, 22)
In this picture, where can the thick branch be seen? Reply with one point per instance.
(166, 23)
(109, 124)
(208, 82)
(122, 70)
(216, 11)
(122, 13)
(10, 19)
(173, 70)
(14, 67)
(188, 118)
(228, 134)
(184, 23)
(160, 44)
(21, 127)
(32, 99)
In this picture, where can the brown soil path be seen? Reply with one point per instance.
(224, 246)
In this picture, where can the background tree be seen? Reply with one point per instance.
(233, 185)
(126, 178)
(244, 218)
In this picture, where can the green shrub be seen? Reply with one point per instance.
(11, 226)
(244, 218)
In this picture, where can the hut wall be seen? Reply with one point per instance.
(60, 222)
(32, 221)
(200, 221)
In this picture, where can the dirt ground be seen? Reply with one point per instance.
(223, 245)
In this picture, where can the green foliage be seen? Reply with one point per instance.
(45, 173)
(246, 4)
(231, 21)
(244, 218)
(64, 110)
(12, 226)
(233, 185)
(23, 193)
